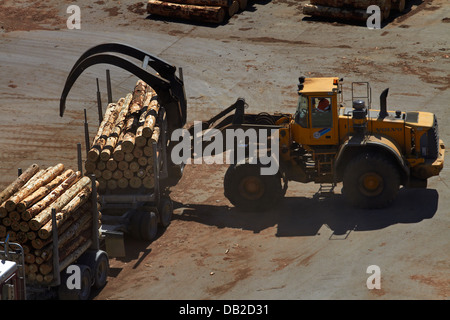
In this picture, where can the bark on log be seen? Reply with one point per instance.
(44, 216)
(42, 191)
(207, 14)
(140, 139)
(155, 135)
(213, 3)
(75, 254)
(52, 196)
(105, 119)
(15, 186)
(151, 116)
(74, 230)
(10, 204)
(106, 127)
(357, 4)
(112, 140)
(132, 123)
(118, 153)
(77, 201)
(335, 13)
(128, 141)
(139, 95)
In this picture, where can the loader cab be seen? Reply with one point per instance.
(316, 117)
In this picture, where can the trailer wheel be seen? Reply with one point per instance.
(73, 293)
(149, 225)
(165, 211)
(98, 262)
(248, 190)
(371, 181)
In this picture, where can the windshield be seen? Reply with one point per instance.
(301, 114)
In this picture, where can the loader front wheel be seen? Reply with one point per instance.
(371, 181)
(248, 190)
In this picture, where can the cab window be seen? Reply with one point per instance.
(302, 114)
(321, 115)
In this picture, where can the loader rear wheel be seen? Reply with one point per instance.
(371, 181)
(248, 190)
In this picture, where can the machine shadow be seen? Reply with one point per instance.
(300, 216)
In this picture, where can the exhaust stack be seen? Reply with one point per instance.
(383, 106)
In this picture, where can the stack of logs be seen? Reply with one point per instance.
(122, 153)
(352, 10)
(207, 11)
(26, 217)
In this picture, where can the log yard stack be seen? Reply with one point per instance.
(122, 153)
(351, 10)
(26, 207)
(206, 11)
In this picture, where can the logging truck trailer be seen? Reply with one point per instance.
(373, 152)
(138, 211)
(72, 278)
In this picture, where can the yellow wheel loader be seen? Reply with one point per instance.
(373, 152)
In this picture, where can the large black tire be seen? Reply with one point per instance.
(98, 262)
(371, 181)
(65, 293)
(248, 190)
(165, 211)
(149, 225)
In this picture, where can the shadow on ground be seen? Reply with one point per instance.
(300, 216)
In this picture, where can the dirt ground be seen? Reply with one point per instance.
(311, 246)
